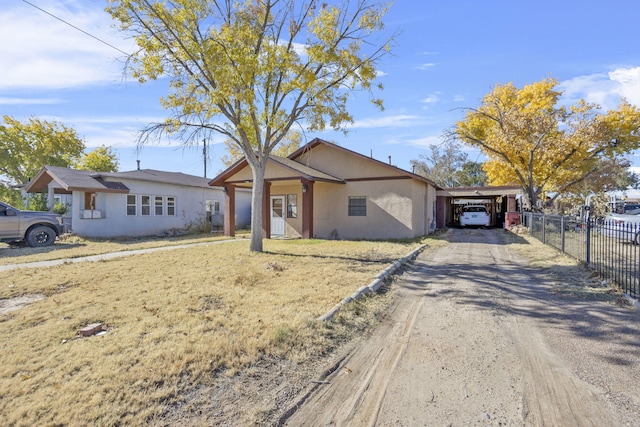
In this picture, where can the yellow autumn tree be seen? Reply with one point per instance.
(252, 69)
(27, 146)
(531, 140)
(100, 159)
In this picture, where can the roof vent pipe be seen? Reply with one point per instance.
(389, 160)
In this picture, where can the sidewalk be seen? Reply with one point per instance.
(104, 257)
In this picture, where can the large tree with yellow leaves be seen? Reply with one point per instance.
(251, 69)
(531, 140)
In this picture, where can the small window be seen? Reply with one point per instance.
(216, 207)
(131, 204)
(145, 205)
(171, 206)
(159, 206)
(292, 205)
(357, 206)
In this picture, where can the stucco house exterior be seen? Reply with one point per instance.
(137, 203)
(326, 191)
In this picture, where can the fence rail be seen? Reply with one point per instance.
(610, 248)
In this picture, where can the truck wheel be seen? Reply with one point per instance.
(41, 236)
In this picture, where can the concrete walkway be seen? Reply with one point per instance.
(104, 257)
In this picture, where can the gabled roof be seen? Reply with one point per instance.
(306, 171)
(72, 180)
(103, 182)
(298, 171)
(152, 175)
(317, 141)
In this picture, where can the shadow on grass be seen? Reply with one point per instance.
(17, 251)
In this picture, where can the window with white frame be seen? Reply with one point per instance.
(357, 206)
(131, 204)
(171, 206)
(159, 205)
(292, 205)
(145, 205)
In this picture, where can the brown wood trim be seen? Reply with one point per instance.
(97, 190)
(266, 211)
(307, 210)
(293, 178)
(377, 178)
(229, 210)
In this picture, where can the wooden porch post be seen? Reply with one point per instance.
(266, 211)
(229, 210)
(307, 209)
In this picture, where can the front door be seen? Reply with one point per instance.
(277, 216)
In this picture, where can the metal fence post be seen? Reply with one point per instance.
(562, 233)
(588, 254)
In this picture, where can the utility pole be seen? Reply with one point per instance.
(204, 154)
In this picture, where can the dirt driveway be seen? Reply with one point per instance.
(476, 337)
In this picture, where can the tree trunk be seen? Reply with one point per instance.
(257, 170)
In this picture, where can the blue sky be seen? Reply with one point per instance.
(449, 54)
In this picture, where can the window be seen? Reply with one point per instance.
(216, 207)
(357, 206)
(292, 205)
(145, 205)
(171, 206)
(159, 205)
(131, 204)
(89, 201)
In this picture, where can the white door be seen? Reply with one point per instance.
(277, 216)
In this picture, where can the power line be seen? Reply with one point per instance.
(79, 29)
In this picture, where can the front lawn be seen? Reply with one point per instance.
(177, 320)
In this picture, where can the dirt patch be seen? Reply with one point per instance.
(12, 304)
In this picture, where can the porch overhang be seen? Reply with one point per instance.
(279, 170)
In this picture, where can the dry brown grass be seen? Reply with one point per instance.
(186, 316)
(572, 277)
(70, 246)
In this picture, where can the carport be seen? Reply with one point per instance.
(499, 201)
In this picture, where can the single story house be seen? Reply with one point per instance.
(326, 191)
(137, 203)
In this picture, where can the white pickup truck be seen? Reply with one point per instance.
(35, 228)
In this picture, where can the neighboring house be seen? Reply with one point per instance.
(327, 191)
(137, 203)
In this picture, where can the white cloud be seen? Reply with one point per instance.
(41, 52)
(458, 98)
(29, 101)
(605, 89)
(425, 142)
(629, 83)
(425, 66)
(431, 99)
(400, 120)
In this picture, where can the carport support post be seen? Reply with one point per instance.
(230, 210)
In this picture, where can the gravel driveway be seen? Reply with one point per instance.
(477, 337)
